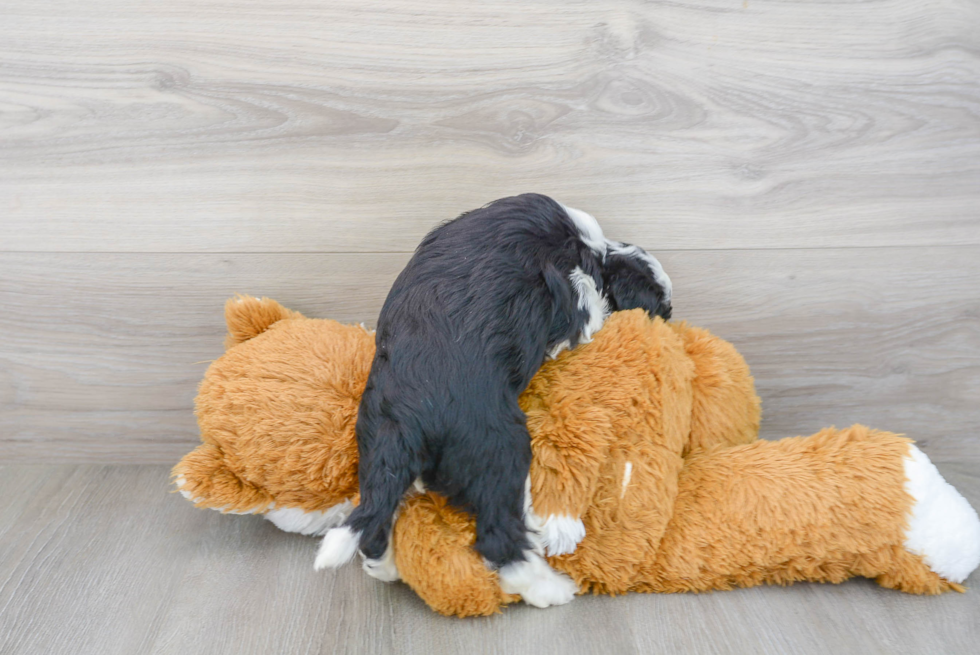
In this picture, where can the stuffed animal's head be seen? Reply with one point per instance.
(277, 412)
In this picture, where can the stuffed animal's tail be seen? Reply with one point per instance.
(248, 317)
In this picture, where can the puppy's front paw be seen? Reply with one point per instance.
(536, 582)
(559, 589)
(561, 533)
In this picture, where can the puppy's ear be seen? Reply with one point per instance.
(633, 279)
(563, 305)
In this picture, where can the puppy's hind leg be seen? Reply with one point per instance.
(386, 470)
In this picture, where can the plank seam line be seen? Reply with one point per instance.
(409, 252)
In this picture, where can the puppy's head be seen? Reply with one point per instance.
(632, 278)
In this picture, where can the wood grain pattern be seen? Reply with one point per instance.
(230, 126)
(100, 559)
(102, 366)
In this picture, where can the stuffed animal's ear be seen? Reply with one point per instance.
(633, 279)
(248, 317)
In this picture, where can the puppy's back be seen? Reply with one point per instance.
(474, 294)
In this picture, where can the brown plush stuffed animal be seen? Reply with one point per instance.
(645, 449)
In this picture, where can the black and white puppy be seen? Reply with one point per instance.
(485, 298)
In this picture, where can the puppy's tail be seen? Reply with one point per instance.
(386, 472)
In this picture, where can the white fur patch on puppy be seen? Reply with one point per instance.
(314, 522)
(590, 300)
(383, 569)
(337, 548)
(558, 348)
(588, 229)
(943, 528)
(561, 534)
(536, 582)
(558, 534)
(656, 269)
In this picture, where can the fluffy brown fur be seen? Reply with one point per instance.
(705, 504)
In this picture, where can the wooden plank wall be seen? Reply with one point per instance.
(808, 172)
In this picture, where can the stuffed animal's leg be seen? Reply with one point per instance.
(433, 546)
(725, 410)
(838, 504)
(565, 471)
(943, 528)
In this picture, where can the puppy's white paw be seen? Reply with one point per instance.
(383, 569)
(561, 534)
(943, 528)
(556, 535)
(536, 582)
(337, 548)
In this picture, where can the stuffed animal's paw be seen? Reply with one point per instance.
(943, 528)
(536, 582)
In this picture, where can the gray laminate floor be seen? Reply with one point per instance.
(102, 560)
